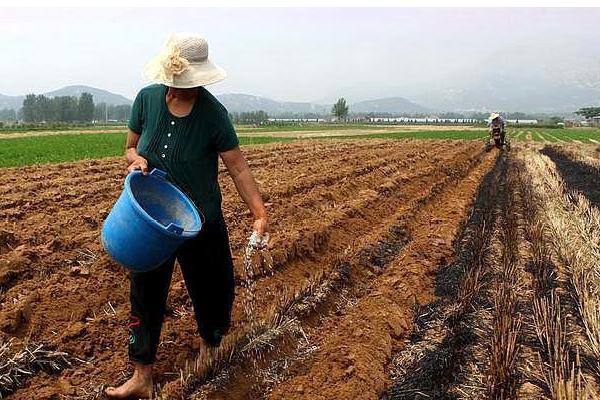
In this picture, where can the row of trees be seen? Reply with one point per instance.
(340, 110)
(252, 117)
(589, 112)
(39, 108)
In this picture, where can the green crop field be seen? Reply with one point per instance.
(22, 151)
(44, 149)
(583, 135)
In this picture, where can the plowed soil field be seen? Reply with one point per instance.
(363, 232)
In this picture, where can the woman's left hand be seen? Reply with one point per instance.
(261, 226)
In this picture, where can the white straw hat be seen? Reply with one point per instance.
(494, 116)
(183, 63)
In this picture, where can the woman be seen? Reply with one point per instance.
(176, 125)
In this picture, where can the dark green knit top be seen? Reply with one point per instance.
(186, 148)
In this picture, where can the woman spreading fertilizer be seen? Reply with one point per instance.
(176, 125)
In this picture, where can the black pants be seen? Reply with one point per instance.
(207, 270)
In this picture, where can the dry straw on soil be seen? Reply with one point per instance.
(508, 332)
(573, 227)
(490, 368)
(17, 365)
(555, 371)
(510, 295)
(210, 370)
(434, 364)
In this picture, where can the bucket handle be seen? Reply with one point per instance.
(174, 228)
(158, 173)
(202, 217)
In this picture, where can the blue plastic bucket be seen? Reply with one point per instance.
(149, 221)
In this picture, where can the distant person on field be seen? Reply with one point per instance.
(497, 124)
(176, 125)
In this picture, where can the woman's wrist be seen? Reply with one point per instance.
(261, 225)
(131, 154)
(261, 213)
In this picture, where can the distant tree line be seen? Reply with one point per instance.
(39, 108)
(305, 115)
(69, 109)
(252, 117)
(342, 112)
(104, 112)
(8, 114)
(589, 112)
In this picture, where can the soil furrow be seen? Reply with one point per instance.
(61, 240)
(371, 259)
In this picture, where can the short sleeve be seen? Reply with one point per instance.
(225, 137)
(136, 119)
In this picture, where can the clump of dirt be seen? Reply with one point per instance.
(8, 241)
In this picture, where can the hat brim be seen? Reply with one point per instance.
(197, 74)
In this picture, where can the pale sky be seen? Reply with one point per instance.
(296, 54)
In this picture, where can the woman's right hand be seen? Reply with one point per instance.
(139, 164)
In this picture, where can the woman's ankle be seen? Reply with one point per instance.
(143, 370)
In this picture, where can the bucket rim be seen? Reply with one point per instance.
(186, 233)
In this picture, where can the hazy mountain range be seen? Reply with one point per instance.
(492, 90)
(545, 78)
(236, 102)
(100, 96)
(538, 81)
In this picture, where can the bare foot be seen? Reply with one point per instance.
(139, 386)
